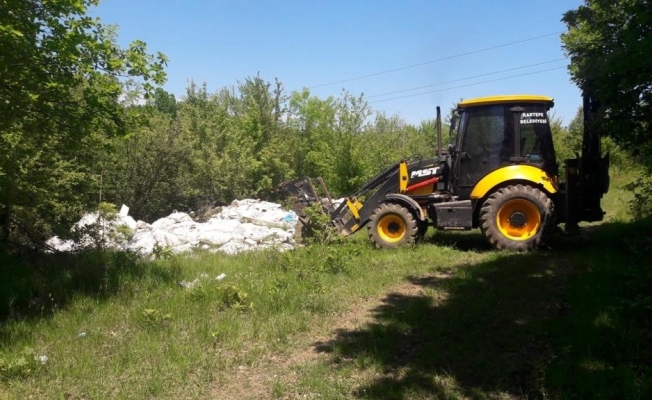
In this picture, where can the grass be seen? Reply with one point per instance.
(449, 318)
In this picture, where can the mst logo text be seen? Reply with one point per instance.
(420, 173)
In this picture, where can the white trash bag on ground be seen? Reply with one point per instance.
(242, 226)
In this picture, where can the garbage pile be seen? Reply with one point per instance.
(244, 225)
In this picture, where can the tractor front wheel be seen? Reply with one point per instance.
(518, 218)
(392, 225)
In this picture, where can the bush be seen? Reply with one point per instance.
(317, 226)
(232, 297)
(641, 205)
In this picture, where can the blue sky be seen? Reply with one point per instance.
(310, 43)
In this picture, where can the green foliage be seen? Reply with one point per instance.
(61, 78)
(319, 227)
(19, 365)
(54, 48)
(237, 144)
(339, 259)
(337, 140)
(149, 169)
(100, 231)
(568, 142)
(162, 252)
(124, 232)
(321, 259)
(608, 43)
(232, 297)
(641, 207)
(76, 133)
(208, 149)
(107, 211)
(154, 318)
(164, 102)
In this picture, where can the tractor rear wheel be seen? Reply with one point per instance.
(518, 218)
(392, 225)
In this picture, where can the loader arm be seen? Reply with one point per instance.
(351, 214)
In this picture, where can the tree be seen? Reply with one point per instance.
(165, 102)
(567, 140)
(149, 169)
(52, 47)
(609, 43)
(61, 77)
(312, 121)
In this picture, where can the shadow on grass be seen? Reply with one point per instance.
(553, 323)
(474, 240)
(460, 240)
(36, 286)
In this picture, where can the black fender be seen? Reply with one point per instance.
(409, 203)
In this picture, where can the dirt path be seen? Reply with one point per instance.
(282, 371)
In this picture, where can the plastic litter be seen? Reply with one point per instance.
(189, 285)
(195, 282)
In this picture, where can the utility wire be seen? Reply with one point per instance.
(435, 61)
(465, 79)
(463, 86)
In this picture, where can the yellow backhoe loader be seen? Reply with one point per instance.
(500, 175)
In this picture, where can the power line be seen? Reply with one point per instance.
(465, 79)
(463, 86)
(435, 61)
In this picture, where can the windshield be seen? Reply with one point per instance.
(536, 138)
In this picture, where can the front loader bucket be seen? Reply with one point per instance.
(306, 194)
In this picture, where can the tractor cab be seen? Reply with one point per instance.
(498, 131)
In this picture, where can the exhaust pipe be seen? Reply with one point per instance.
(438, 128)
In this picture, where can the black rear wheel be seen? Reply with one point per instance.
(392, 225)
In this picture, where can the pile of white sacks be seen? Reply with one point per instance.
(244, 225)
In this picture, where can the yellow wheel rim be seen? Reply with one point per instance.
(518, 219)
(391, 228)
